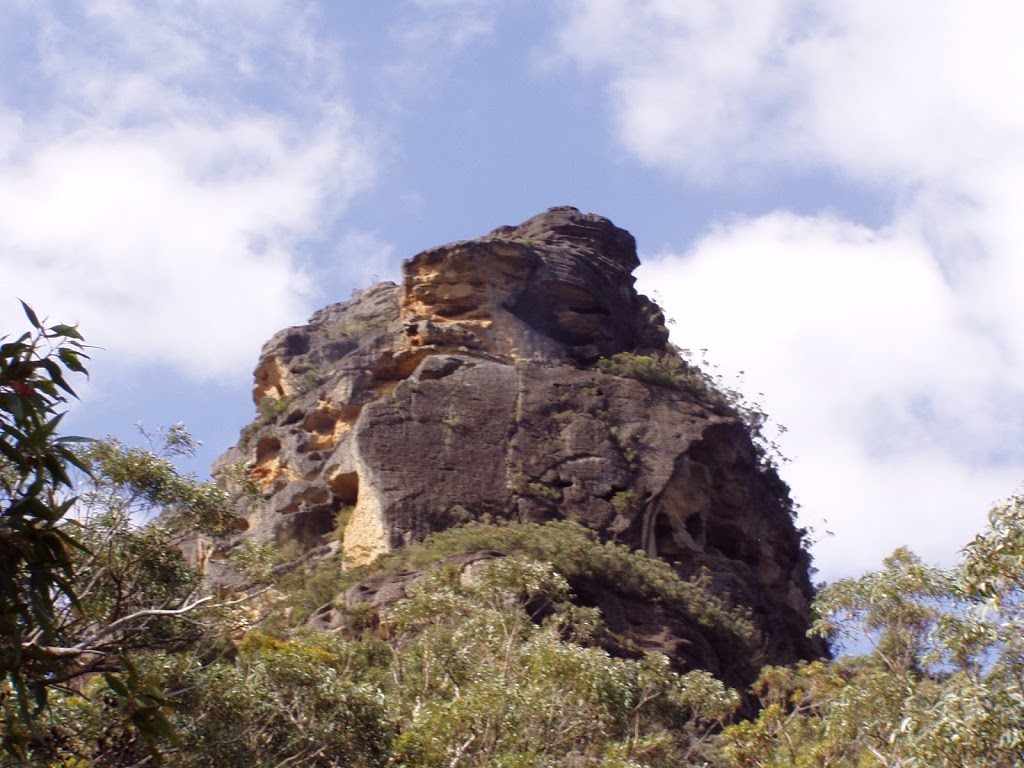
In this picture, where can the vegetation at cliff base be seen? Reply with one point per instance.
(494, 664)
(116, 653)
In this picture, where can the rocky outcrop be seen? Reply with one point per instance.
(476, 391)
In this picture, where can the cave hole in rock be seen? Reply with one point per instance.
(267, 449)
(309, 526)
(541, 310)
(695, 527)
(727, 539)
(325, 425)
(666, 544)
(322, 420)
(333, 351)
(296, 344)
(345, 488)
(464, 310)
(306, 500)
(312, 514)
(316, 523)
(593, 309)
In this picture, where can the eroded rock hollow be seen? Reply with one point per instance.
(475, 391)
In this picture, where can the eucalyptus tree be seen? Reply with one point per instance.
(91, 567)
(942, 683)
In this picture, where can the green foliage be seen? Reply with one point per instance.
(143, 482)
(483, 684)
(993, 568)
(665, 370)
(288, 552)
(311, 701)
(310, 381)
(146, 706)
(453, 422)
(125, 568)
(543, 491)
(133, 594)
(36, 569)
(941, 686)
(623, 501)
(575, 553)
(311, 585)
(341, 518)
(267, 411)
(270, 408)
(85, 580)
(255, 562)
(106, 629)
(492, 664)
(237, 478)
(469, 675)
(674, 370)
(357, 326)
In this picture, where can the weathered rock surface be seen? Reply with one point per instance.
(468, 393)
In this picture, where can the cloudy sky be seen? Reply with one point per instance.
(826, 197)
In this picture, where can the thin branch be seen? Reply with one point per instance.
(298, 756)
(118, 623)
(460, 750)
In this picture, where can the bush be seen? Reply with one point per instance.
(666, 370)
(575, 552)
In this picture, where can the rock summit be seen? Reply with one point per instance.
(518, 376)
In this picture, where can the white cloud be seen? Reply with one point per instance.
(895, 406)
(684, 78)
(368, 259)
(908, 90)
(431, 35)
(158, 187)
(452, 23)
(894, 353)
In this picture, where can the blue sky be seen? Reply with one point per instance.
(826, 196)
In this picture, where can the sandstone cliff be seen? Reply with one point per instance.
(516, 376)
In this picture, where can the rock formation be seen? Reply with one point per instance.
(517, 376)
